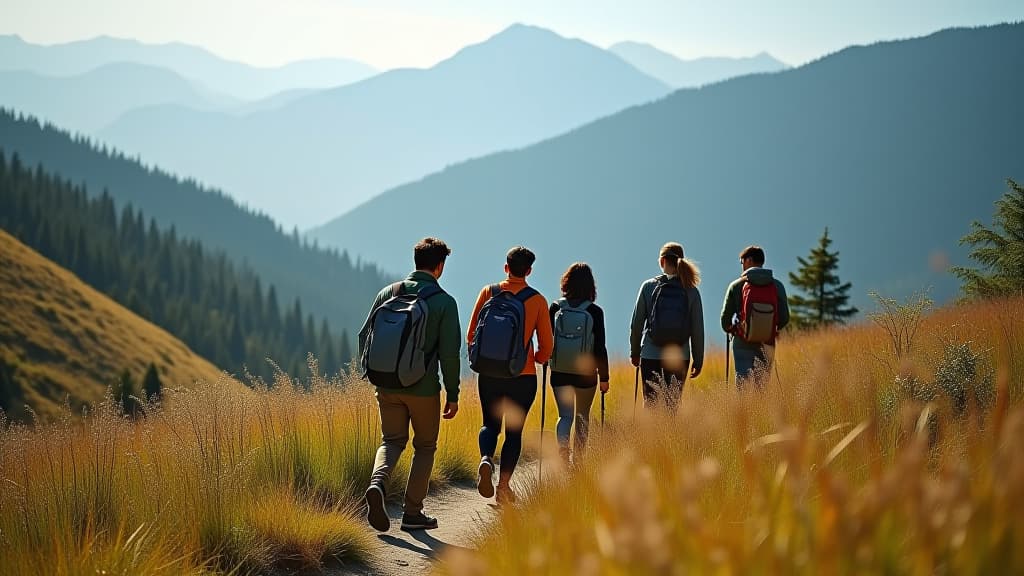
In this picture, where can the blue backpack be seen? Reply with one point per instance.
(669, 321)
(499, 349)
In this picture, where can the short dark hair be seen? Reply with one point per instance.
(578, 282)
(519, 259)
(429, 253)
(755, 253)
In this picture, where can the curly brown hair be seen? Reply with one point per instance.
(578, 282)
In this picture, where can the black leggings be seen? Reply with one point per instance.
(501, 397)
(662, 388)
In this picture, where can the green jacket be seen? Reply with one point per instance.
(443, 335)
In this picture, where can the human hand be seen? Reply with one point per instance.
(450, 410)
(695, 372)
(635, 360)
(604, 386)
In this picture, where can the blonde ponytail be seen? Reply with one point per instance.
(688, 273)
(676, 263)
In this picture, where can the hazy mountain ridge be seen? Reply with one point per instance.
(329, 284)
(327, 152)
(89, 101)
(895, 146)
(682, 73)
(221, 75)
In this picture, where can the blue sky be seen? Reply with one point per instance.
(420, 33)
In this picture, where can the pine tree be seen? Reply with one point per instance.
(236, 343)
(826, 296)
(10, 391)
(345, 354)
(151, 384)
(1000, 254)
(123, 396)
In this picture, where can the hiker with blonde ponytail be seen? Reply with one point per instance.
(666, 338)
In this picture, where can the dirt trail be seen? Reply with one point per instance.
(462, 516)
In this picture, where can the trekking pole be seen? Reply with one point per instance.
(543, 405)
(602, 409)
(636, 390)
(728, 338)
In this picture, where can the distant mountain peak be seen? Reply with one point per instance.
(522, 29)
(526, 35)
(521, 41)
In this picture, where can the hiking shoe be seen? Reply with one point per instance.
(485, 472)
(505, 495)
(376, 514)
(418, 521)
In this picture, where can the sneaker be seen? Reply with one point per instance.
(376, 514)
(505, 495)
(419, 521)
(485, 472)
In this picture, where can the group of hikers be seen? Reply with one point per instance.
(412, 337)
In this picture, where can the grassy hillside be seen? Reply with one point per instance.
(60, 339)
(834, 468)
(895, 147)
(217, 308)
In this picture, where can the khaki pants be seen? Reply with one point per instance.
(397, 412)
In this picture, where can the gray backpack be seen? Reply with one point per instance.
(393, 355)
(574, 339)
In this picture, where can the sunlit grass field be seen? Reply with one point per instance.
(850, 461)
(218, 479)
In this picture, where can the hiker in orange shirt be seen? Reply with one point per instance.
(500, 338)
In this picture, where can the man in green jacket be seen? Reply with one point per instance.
(752, 359)
(420, 403)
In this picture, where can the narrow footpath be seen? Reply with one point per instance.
(462, 517)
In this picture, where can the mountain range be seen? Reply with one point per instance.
(895, 147)
(89, 101)
(323, 154)
(680, 73)
(234, 79)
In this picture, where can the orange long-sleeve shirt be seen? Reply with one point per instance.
(537, 320)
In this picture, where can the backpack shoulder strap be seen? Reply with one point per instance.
(584, 305)
(495, 290)
(526, 293)
(398, 288)
(562, 303)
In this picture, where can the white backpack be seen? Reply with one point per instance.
(574, 339)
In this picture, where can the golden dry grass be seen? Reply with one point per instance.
(829, 470)
(70, 342)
